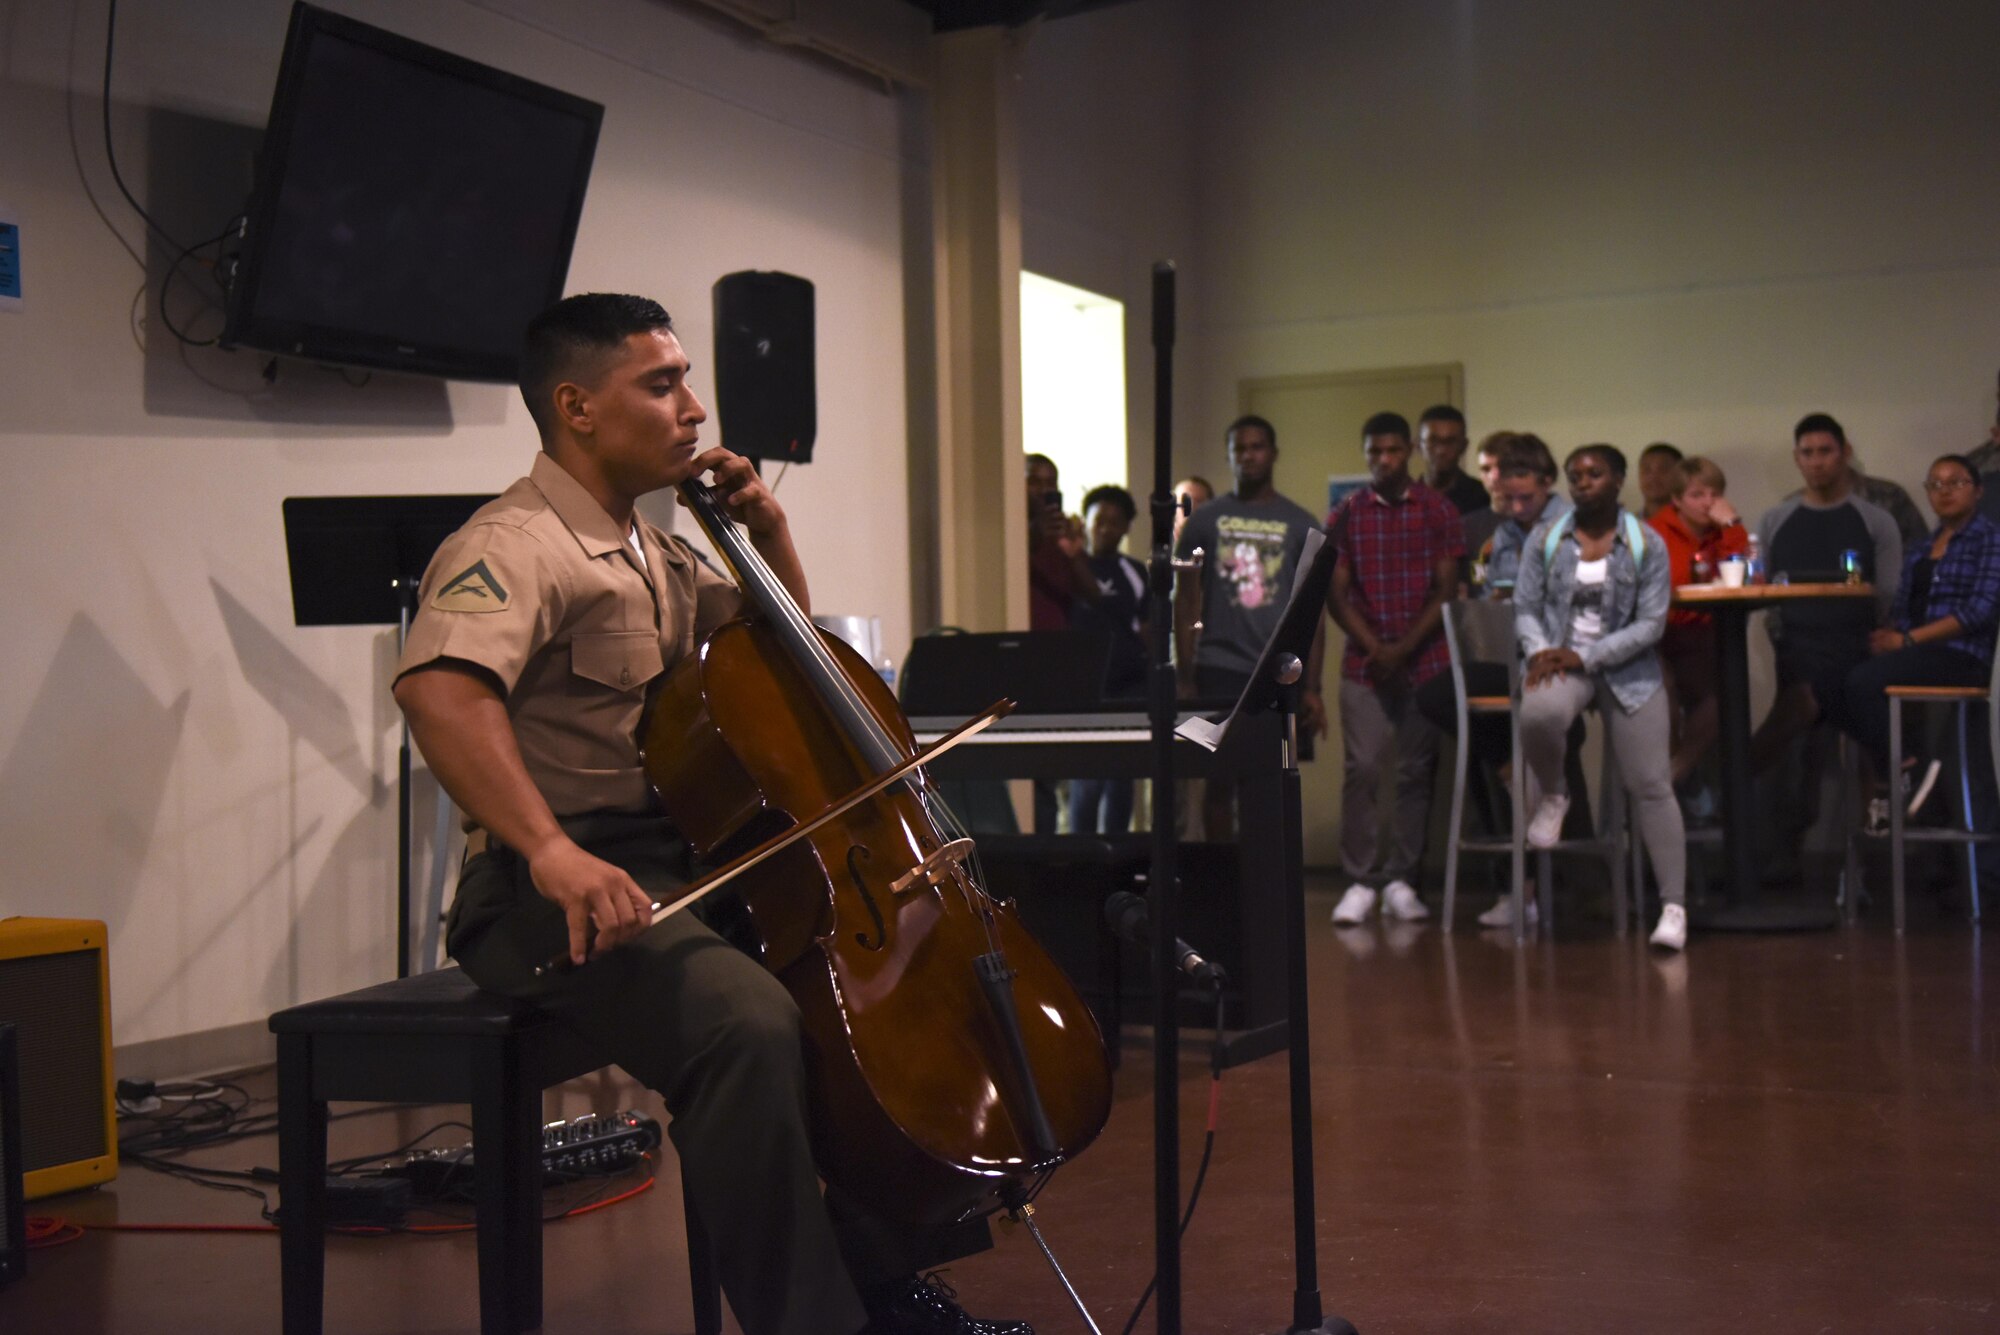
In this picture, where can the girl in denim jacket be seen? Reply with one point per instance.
(1590, 605)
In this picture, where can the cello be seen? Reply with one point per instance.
(952, 1065)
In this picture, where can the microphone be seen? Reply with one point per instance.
(1131, 920)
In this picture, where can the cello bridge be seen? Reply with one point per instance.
(933, 870)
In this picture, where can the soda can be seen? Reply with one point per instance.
(1850, 565)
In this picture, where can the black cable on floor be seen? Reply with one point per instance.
(1207, 1153)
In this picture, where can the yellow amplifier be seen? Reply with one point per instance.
(55, 988)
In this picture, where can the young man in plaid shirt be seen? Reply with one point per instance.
(1399, 544)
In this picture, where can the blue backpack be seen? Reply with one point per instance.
(1635, 537)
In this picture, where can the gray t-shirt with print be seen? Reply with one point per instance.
(1253, 551)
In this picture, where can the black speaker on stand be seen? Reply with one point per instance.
(765, 391)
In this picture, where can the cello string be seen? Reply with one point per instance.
(757, 579)
(881, 750)
(864, 730)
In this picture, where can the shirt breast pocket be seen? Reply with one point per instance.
(622, 660)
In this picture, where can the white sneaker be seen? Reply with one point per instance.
(1354, 906)
(1672, 933)
(1922, 792)
(1399, 901)
(1878, 816)
(1502, 913)
(1546, 829)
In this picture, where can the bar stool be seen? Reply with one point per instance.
(1961, 699)
(1483, 631)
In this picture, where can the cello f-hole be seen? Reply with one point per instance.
(857, 854)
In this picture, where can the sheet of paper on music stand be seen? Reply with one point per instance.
(1303, 605)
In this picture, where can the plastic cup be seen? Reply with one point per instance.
(1730, 573)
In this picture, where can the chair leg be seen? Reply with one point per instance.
(701, 1270)
(1617, 835)
(1993, 759)
(1851, 764)
(1965, 810)
(1896, 809)
(1455, 828)
(301, 1188)
(1517, 867)
(507, 1186)
(1545, 891)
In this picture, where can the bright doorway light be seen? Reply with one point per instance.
(1073, 383)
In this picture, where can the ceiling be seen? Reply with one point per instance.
(951, 15)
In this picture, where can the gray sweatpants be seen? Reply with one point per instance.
(1641, 741)
(1373, 723)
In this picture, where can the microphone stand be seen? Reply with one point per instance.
(1307, 1315)
(1275, 682)
(1163, 707)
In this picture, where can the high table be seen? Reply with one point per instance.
(1731, 608)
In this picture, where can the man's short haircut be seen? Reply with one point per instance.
(1386, 424)
(1116, 497)
(1662, 447)
(1613, 457)
(1978, 483)
(1496, 443)
(1198, 480)
(1815, 422)
(574, 340)
(1442, 412)
(1250, 419)
(1028, 465)
(1695, 469)
(1527, 455)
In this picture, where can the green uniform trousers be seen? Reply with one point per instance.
(696, 1019)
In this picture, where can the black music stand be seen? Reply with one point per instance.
(357, 561)
(1274, 684)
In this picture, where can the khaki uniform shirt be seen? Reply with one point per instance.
(542, 590)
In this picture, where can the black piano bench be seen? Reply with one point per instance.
(435, 1038)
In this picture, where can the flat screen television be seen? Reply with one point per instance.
(412, 209)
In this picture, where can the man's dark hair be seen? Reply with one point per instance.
(1662, 447)
(1527, 455)
(1613, 457)
(1441, 412)
(1386, 424)
(572, 339)
(1116, 497)
(1033, 459)
(1250, 419)
(1813, 422)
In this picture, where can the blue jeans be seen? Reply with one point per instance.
(1089, 797)
(1863, 707)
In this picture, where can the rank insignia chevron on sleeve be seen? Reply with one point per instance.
(473, 589)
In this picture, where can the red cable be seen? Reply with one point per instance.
(181, 1228)
(647, 1185)
(49, 1231)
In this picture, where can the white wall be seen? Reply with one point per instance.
(1662, 220)
(179, 759)
(1107, 189)
(1690, 221)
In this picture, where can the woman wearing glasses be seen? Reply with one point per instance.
(1941, 627)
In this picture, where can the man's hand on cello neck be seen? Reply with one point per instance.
(746, 496)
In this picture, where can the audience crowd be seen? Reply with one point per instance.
(1591, 585)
